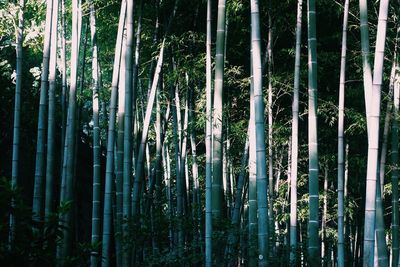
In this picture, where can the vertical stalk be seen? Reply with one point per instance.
(295, 138)
(17, 112)
(107, 212)
(208, 206)
(66, 194)
(120, 150)
(40, 144)
(395, 176)
(373, 129)
(94, 258)
(127, 158)
(261, 166)
(63, 77)
(340, 173)
(270, 140)
(51, 113)
(252, 206)
(217, 186)
(313, 222)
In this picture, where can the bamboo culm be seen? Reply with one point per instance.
(340, 173)
(40, 144)
(261, 165)
(313, 222)
(295, 138)
(107, 210)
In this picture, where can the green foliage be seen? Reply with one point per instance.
(34, 241)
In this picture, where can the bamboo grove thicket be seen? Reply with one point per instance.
(154, 133)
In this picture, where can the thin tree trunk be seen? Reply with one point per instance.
(261, 169)
(179, 177)
(37, 205)
(64, 89)
(324, 244)
(295, 138)
(208, 137)
(182, 159)
(382, 258)
(66, 194)
(120, 151)
(395, 175)
(217, 185)
(385, 137)
(136, 79)
(127, 168)
(272, 250)
(195, 172)
(340, 246)
(51, 114)
(313, 222)
(94, 258)
(107, 212)
(252, 206)
(17, 113)
(167, 174)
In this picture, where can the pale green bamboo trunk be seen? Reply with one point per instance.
(252, 206)
(313, 222)
(107, 211)
(261, 167)
(96, 217)
(271, 225)
(63, 70)
(208, 182)
(119, 164)
(183, 160)
(324, 242)
(385, 137)
(135, 78)
(196, 204)
(37, 205)
(66, 194)
(383, 260)
(17, 112)
(340, 173)
(217, 186)
(295, 138)
(369, 229)
(51, 125)
(127, 163)
(373, 113)
(179, 177)
(395, 175)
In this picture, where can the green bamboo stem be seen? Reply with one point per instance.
(37, 205)
(95, 238)
(295, 138)
(217, 185)
(17, 113)
(208, 137)
(107, 211)
(373, 133)
(261, 172)
(340, 173)
(313, 222)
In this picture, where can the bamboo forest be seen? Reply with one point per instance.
(199, 133)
